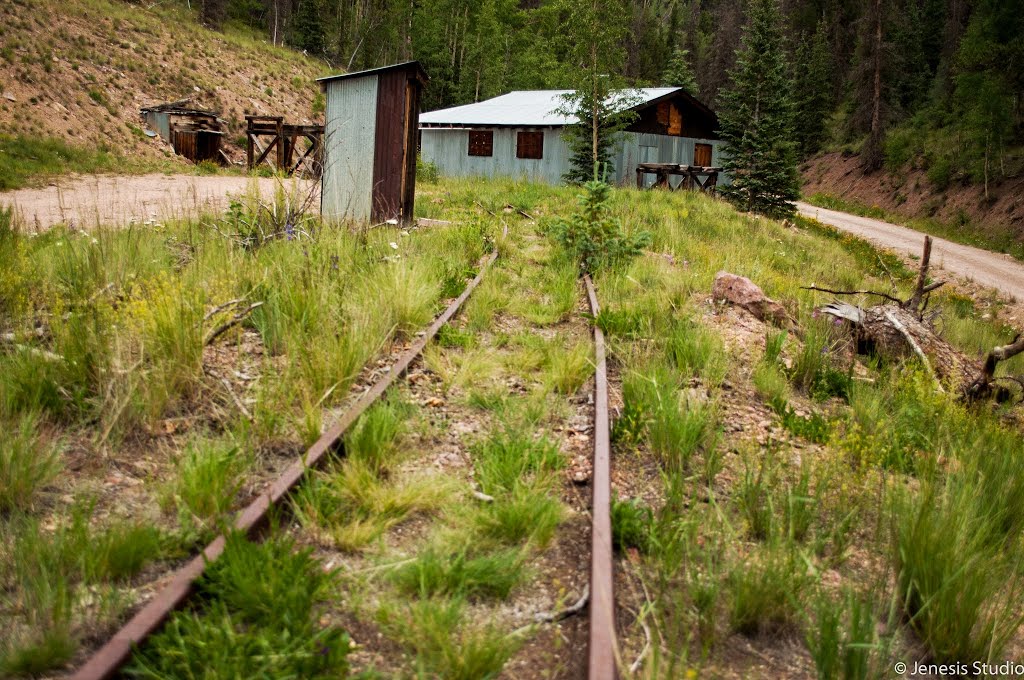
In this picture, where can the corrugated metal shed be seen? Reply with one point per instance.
(526, 108)
(370, 143)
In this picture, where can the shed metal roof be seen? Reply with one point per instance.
(405, 65)
(529, 108)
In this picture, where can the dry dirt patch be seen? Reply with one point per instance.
(112, 200)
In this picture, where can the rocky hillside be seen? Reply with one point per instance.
(80, 70)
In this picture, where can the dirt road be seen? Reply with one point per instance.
(994, 270)
(112, 200)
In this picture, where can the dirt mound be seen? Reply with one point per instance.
(81, 70)
(910, 193)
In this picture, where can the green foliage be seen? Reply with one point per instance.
(209, 477)
(426, 171)
(756, 118)
(595, 32)
(444, 643)
(24, 157)
(27, 463)
(505, 458)
(593, 236)
(632, 524)
(524, 515)
(461, 574)
(260, 620)
(812, 90)
(679, 73)
(842, 638)
(765, 592)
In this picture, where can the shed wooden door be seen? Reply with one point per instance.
(702, 154)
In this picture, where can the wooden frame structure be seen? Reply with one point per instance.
(694, 177)
(284, 139)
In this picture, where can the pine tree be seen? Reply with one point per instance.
(756, 118)
(678, 72)
(812, 91)
(308, 27)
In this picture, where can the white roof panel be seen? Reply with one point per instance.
(525, 107)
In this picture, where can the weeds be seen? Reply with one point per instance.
(27, 463)
(260, 621)
(461, 574)
(445, 644)
(632, 524)
(593, 236)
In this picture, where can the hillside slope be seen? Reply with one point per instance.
(80, 70)
(997, 220)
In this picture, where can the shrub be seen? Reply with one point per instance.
(592, 236)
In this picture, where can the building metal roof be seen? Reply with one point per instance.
(528, 108)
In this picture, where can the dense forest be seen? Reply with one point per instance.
(936, 83)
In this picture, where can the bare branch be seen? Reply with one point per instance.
(852, 292)
(237, 319)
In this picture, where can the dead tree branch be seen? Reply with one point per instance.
(853, 292)
(982, 385)
(235, 320)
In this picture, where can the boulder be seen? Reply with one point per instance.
(742, 292)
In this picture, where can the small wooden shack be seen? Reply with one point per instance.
(194, 133)
(370, 132)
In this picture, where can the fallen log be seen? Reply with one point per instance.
(898, 330)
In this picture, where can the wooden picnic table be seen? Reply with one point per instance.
(693, 176)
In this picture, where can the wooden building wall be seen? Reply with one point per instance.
(676, 117)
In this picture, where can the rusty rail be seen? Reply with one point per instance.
(106, 661)
(601, 642)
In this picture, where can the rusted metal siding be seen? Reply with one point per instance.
(389, 154)
(350, 128)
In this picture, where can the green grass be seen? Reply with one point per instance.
(445, 643)
(24, 159)
(208, 481)
(27, 463)
(260, 620)
(462, 574)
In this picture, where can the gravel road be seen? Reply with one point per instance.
(995, 270)
(113, 200)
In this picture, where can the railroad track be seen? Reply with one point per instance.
(107, 661)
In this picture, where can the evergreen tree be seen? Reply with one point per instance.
(678, 72)
(812, 91)
(756, 118)
(308, 27)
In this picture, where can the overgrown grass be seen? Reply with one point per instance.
(260, 620)
(25, 158)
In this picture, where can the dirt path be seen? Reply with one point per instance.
(984, 267)
(113, 200)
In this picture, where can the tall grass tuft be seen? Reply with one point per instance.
(28, 462)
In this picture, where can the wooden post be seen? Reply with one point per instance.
(280, 143)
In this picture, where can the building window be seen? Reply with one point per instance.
(702, 155)
(530, 145)
(481, 143)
